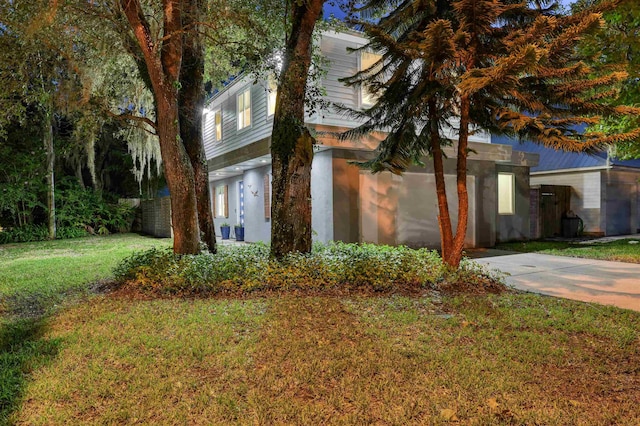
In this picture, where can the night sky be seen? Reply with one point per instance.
(335, 10)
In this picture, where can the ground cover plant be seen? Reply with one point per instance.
(287, 356)
(624, 250)
(335, 266)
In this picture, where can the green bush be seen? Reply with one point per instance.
(24, 234)
(81, 208)
(30, 233)
(67, 232)
(332, 266)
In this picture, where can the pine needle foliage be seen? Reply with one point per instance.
(617, 43)
(505, 66)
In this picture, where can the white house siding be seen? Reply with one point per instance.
(586, 192)
(341, 64)
(232, 138)
(257, 225)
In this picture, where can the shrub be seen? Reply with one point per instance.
(66, 232)
(80, 208)
(332, 266)
(24, 234)
(30, 233)
(472, 277)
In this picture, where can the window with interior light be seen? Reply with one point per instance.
(217, 123)
(367, 60)
(506, 193)
(272, 92)
(221, 201)
(244, 108)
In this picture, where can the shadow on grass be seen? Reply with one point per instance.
(22, 350)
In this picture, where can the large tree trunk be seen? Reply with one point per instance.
(180, 179)
(292, 144)
(191, 104)
(164, 72)
(444, 219)
(51, 156)
(455, 255)
(452, 244)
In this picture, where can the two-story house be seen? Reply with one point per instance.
(350, 204)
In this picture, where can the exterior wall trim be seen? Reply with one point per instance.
(247, 152)
(574, 170)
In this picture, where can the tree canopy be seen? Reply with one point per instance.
(616, 45)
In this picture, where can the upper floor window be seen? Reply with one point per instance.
(244, 108)
(217, 123)
(367, 60)
(506, 193)
(271, 96)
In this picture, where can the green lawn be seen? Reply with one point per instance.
(39, 274)
(620, 250)
(508, 359)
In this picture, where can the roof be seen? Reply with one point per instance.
(551, 159)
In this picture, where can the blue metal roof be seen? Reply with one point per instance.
(551, 159)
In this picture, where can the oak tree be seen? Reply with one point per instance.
(292, 143)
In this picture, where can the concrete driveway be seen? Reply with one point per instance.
(599, 281)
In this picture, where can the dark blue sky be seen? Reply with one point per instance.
(335, 10)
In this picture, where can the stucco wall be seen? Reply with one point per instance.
(322, 212)
(256, 226)
(232, 198)
(404, 209)
(620, 201)
(389, 209)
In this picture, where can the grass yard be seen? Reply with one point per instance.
(37, 275)
(506, 359)
(620, 250)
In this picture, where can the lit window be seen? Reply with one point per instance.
(271, 96)
(367, 60)
(217, 119)
(244, 109)
(506, 193)
(221, 201)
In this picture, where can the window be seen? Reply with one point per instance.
(267, 196)
(244, 109)
(271, 96)
(221, 202)
(506, 193)
(241, 202)
(367, 59)
(217, 120)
